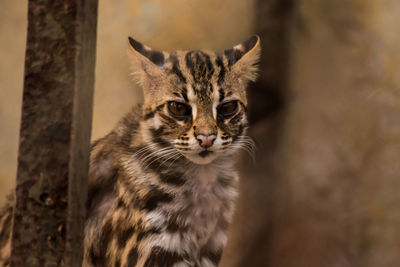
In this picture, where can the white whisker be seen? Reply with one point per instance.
(179, 155)
(161, 154)
(245, 143)
(155, 153)
(173, 157)
(138, 154)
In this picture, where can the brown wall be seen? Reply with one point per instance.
(12, 52)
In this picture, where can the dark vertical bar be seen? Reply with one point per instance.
(260, 183)
(55, 133)
(273, 18)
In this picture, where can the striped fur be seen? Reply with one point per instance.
(5, 231)
(157, 196)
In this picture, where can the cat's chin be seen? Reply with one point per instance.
(202, 158)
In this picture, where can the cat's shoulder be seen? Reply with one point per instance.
(120, 136)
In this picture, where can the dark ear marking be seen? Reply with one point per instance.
(154, 56)
(236, 53)
(250, 43)
(233, 55)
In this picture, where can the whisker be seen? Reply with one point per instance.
(248, 141)
(143, 150)
(246, 149)
(245, 143)
(173, 153)
(155, 153)
(140, 151)
(178, 156)
(173, 157)
(160, 154)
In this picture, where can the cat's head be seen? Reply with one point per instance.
(195, 101)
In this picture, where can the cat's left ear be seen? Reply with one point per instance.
(150, 61)
(244, 57)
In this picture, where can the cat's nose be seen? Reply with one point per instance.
(206, 140)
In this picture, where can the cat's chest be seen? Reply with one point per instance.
(200, 196)
(203, 201)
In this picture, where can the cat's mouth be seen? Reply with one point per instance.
(203, 157)
(205, 153)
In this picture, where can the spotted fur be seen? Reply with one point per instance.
(158, 196)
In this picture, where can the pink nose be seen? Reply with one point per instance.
(206, 140)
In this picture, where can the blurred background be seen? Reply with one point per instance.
(325, 115)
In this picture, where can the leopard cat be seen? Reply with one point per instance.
(162, 184)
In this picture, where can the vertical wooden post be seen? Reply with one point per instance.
(254, 220)
(55, 133)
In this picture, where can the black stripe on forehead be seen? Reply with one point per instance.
(189, 62)
(221, 75)
(200, 66)
(210, 68)
(175, 67)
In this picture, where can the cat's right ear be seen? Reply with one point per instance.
(146, 62)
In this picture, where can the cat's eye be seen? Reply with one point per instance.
(179, 110)
(228, 109)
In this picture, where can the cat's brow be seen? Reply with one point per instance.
(176, 68)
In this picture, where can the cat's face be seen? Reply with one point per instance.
(195, 101)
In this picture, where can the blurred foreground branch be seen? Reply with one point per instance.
(325, 188)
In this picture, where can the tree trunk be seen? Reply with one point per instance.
(53, 156)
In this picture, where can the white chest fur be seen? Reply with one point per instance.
(199, 207)
(208, 201)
